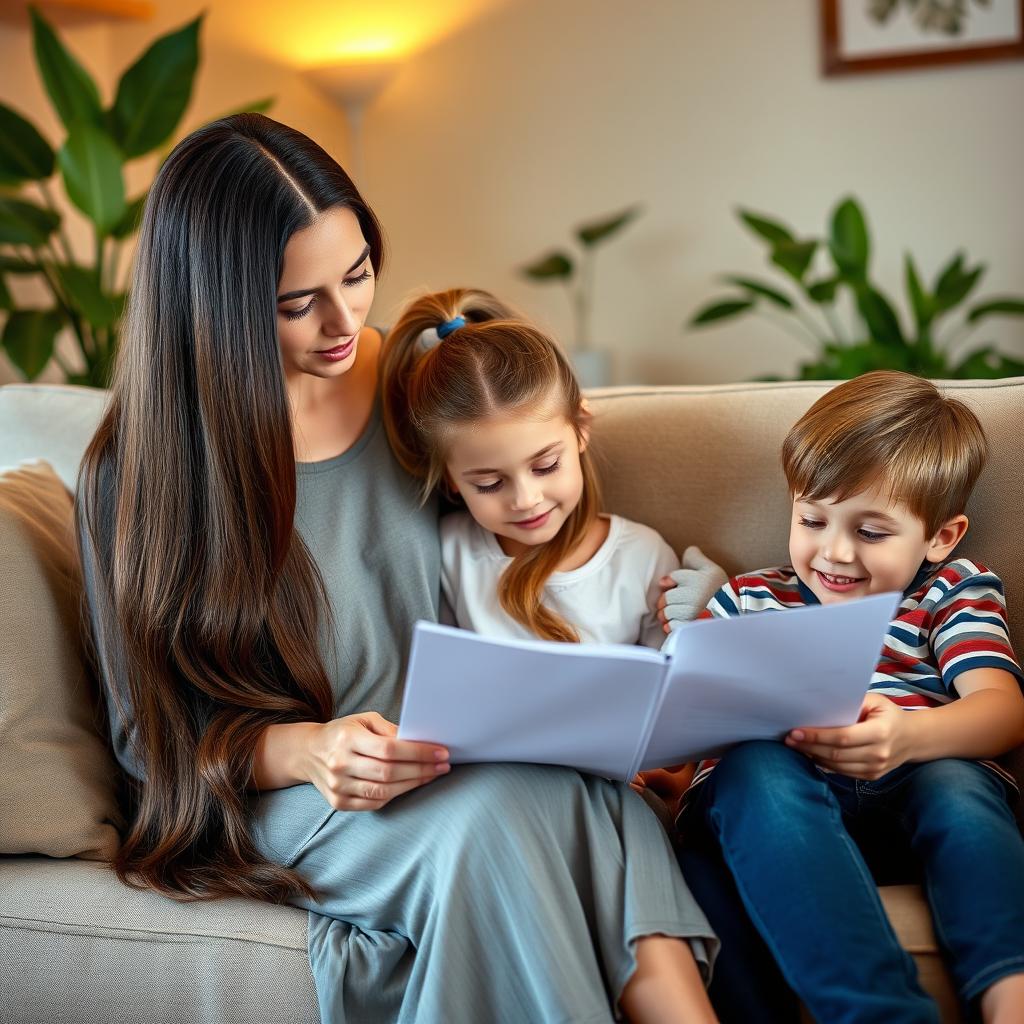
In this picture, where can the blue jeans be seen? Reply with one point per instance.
(800, 843)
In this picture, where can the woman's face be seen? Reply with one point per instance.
(324, 294)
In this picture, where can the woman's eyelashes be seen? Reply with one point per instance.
(551, 467)
(298, 314)
(348, 282)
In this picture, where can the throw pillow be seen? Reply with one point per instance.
(57, 775)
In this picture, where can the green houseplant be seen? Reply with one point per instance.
(925, 343)
(83, 294)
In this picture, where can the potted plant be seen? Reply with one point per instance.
(577, 275)
(925, 343)
(83, 293)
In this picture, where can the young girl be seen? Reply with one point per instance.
(484, 405)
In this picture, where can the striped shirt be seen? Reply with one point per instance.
(952, 619)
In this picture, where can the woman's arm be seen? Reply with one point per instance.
(356, 762)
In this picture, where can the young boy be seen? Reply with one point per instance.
(880, 470)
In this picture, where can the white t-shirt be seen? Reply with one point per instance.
(610, 599)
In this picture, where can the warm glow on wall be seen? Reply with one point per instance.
(317, 32)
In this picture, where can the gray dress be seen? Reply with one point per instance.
(498, 893)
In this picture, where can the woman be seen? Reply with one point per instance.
(255, 560)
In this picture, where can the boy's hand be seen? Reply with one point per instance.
(688, 590)
(875, 745)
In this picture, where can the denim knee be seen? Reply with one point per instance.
(954, 794)
(760, 777)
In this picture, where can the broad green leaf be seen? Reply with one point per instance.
(72, 91)
(16, 265)
(920, 300)
(256, 107)
(86, 296)
(841, 362)
(131, 218)
(721, 310)
(6, 299)
(759, 288)
(955, 286)
(28, 338)
(92, 168)
(794, 257)
(848, 240)
(949, 272)
(154, 92)
(598, 231)
(879, 316)
(24, 154)
(823, 292)
(1005, 307)
(24, 223)
(770, 230)
(554, 266)
(986, 363)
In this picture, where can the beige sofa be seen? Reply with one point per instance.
(697, 463)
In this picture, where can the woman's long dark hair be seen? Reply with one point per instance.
(207, 604)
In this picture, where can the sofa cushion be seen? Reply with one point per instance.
(77, 945)
(57, 776)
(48, 421)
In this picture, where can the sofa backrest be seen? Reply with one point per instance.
(53, 422)
(699, 464)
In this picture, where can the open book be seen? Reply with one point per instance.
(614, 710)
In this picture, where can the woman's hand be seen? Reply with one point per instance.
(358, 763)
(875, 745)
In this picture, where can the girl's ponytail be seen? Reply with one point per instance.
(399, 363)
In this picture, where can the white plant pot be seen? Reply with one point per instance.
(593, 368)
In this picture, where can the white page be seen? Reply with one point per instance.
(582, 705)
(758, 676)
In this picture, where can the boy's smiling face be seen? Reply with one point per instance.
(865, 544)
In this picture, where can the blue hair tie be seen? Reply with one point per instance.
(446, 328)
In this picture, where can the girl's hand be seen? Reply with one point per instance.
(669, 784)
(358, 764)
(876, 744)
(687, 591)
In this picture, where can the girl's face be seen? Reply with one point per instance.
(519, 474)
(324, 294)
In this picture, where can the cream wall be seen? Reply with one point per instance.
(489, 146)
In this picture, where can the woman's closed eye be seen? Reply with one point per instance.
(297, 314)
(551, 467)
(348, 282)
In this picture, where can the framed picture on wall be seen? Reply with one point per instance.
(883, 35)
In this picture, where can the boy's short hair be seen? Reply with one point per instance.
(892, 430)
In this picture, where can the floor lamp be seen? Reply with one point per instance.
(353, 85)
